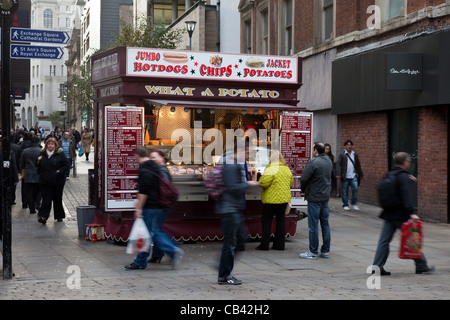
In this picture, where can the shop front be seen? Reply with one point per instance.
(190, 105)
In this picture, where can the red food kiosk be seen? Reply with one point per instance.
(181, 102)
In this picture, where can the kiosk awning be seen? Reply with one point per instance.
(224, 105)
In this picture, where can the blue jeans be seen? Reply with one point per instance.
(154, 219)
(353, 183)
(232, 226)
(318, 212)
(156, 251)
(382, 254)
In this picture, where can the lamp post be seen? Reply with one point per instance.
(190, 26)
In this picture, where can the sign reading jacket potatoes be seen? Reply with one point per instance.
(147, 62)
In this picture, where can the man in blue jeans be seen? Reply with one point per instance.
(316, 184)
(229, 208)
(348, 169)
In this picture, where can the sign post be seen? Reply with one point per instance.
(7, 8)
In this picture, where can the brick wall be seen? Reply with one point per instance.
(369, 133)
(433, 163)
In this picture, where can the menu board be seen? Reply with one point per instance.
(296, 147)
(123, 132)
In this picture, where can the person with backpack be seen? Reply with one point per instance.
(149, 208)
(399, 210)
(229, 206)
(348, 169)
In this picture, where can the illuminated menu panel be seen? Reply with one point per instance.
(296, 148)
(123, 132)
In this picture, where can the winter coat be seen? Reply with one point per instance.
(316, 179)
(28, 161)
(406, 195)
(276, 183)
(72, 152)
(52, 171)
(86, 140)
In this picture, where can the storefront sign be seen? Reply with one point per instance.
(404, 71)
(147, 62)
(123, 132)
(296, 148)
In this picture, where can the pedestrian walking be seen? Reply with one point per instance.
(395, 216)
(52, 168)
(348, 169)
(26, 142)
(315, 182)
(67, 144)
(160, 159)
(148, 208)
(86, 141)
(28, 162)
(229, 206)
(276, 184)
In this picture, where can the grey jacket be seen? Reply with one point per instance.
(28, 161)
(232, 199)
(316, 179)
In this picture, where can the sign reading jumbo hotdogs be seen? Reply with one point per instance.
(147, 62)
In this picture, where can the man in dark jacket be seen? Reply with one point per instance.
(28, 161)
(229, 206)
(348, 169)
(315, 182)
(395, 217)
(149, 209)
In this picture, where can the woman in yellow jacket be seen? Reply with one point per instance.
(276, 184)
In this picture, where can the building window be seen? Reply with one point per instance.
(288, 26)
(327, 19)
(48, 19)
(248, 36)
(395, 8)
(265, 32)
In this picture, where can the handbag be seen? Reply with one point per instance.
(139, 239)
(80, 151)
(411, 240)
(288, 208)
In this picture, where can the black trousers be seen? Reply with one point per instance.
(269, 211)
(52, 194)
(33, 193)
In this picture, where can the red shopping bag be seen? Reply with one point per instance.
(411, 240)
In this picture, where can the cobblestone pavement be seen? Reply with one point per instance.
(52, 263)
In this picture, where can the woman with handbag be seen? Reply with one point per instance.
(276, 183)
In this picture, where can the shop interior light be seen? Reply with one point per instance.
(255, 112)
(199, 110)
(186, 109)
(172, 109)
(244, 112)
(212, 111)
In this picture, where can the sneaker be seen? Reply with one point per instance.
(325, 255)
(309, 255)
(229, 280)
(133, 266)
(355, 207)
(346, 208)
(177, 259)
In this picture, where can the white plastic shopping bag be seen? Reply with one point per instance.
(139, 239)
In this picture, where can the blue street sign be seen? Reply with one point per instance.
(42, 36)
(23, 51)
